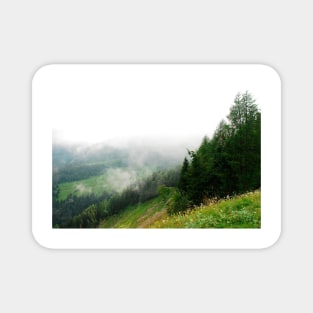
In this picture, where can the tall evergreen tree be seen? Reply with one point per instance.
(196, 187)
(244, 145)
(230, 162)
(184, 176)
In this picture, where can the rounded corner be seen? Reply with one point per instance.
(38, 241)
(274, 240)
(39, 71)
(273, 71)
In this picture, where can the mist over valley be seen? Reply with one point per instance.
(141, 181)
(114, 164)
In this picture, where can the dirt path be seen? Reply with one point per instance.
(147, 222)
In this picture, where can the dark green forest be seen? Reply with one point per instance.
(223, 166)
(230, 162)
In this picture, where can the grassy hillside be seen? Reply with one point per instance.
(242, 211)
(137, 216)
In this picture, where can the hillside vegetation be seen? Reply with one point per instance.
(242, 211)
(141, 215)
(130, 188)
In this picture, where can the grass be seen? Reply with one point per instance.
(242, 211)
(137, 216)
(94, 184)
(109, 181)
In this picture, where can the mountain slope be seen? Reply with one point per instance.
(141, 215)
(243, 211)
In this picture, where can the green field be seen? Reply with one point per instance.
(115, 179)
(94, 184)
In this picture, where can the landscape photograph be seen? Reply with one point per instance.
(156, 148)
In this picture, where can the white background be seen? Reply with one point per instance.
(96, 103)
(34, 33)
(68, 94)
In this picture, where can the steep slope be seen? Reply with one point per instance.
(242, 211)
(141, 215)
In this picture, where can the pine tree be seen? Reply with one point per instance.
(229, 163)
(196, 188)
(244, 144)
(184, 177)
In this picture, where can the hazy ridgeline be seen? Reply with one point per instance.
(88, 174)
(122, 161)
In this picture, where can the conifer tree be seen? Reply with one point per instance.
(229, 163)
(183, 178)
(244, 144)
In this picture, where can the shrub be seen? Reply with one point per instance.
(177, 203)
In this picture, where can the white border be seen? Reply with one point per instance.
(269, 233)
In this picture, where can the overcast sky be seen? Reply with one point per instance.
(94, 103)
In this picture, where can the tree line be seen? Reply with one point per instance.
(227, 164)
(76, 172)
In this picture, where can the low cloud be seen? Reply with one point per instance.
(119, 178)
(81, 188)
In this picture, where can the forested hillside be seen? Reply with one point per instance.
(230, 162)
(108, 186)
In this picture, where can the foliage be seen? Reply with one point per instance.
(226, 165)
(242, 211)
(183, 181)
(88, 210)
(177, 203)
(76, 172)
(94, 184)
(148, 187)
(64, 210)
(229, 163)
(140, 215)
